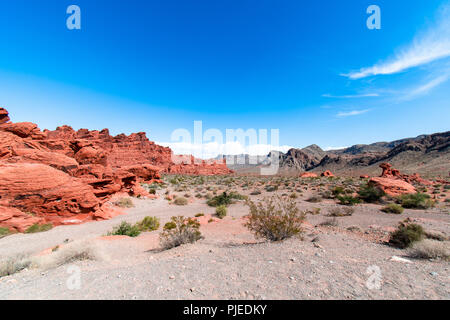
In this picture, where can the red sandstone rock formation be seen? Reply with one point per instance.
(67, 176)
(394, 183)
(327, 173)
(3, 116)
(392, 187)
(389, 172)
(308, 175)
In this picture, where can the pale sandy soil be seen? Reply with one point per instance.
(229, 263)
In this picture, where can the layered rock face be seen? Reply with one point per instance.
(67, 176)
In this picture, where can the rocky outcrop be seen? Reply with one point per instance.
(4, 116)
(66, 176)
(327, 173)
(308, 175)
(392, 187)
(393, 183)
(389, 172)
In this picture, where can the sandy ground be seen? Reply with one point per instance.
(229, 263)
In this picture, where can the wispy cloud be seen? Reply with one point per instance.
(428, 46)
(366, 95)
(334, 148)
(425, 88)
(351, 113)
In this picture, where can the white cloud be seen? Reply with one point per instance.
(366, 95)
(431, 45)
(213, 149)
(351, 113)
(334, 148)
(425, 88)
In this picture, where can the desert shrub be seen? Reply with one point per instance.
(125, 229)
(39, 228)
(327, 194)
(180, 201)
(271, 188)
(436, 235)
(152, 191)
(255, 193)
(293, 195)
(180, 231)
(221, 211)
(393, 208)
(275, 219)
(148, 224)
(371, 194)
(314, 199)
(11, 265)
(336, 191)
(225, 199)
(430, 249)
(124, 203)
(313, 211)
(348, 200)
(332, 222)
(4, 232)
(69, 253)
(406, 234)
(199, 215)
(416, 201)
(341, 212)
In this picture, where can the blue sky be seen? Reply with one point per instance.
(311, 69)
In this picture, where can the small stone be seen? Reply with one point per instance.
(292, 259)
(399, 259)
(434, 274)
(172, 277)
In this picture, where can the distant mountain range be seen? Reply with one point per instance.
(426, 154)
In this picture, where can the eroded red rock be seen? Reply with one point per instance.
(392, 187)
(327, 173)
(66, 176)
(390, 172)
(308, 175)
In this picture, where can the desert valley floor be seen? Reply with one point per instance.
(334, 260)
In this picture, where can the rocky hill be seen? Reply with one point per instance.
(426, 154)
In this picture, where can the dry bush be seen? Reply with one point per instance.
(221, 211)
(393, 208)
(11, 265)
(333, 222)
(148, 224)
(180, 201)
(124, 203)
(125, 229)
(69, 253)
(406, 234)
(275, 218)
(430, 249)
(314, 199)
(180, 231)
(341, 212)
